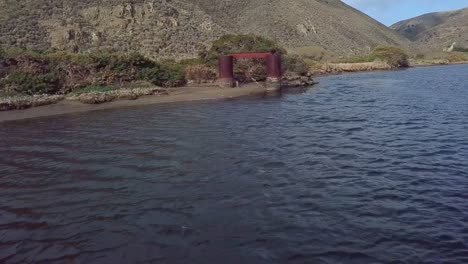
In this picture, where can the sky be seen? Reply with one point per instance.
(389, 12)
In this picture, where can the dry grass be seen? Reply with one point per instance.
(23, 102)
(440, 58)
(121, 94)
(349, 67)
(313, 53)
(431, 62)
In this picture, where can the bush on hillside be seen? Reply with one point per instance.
(394, 56)
(250, 70)
(189, 62)
(296, 64)
(12, 53)
(165, 75)
(111, 61)
(30, 84)
(28, 72)
(121, 62)
(228, 44)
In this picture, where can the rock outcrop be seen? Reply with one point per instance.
(295, 80)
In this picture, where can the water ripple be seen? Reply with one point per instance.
(364, 168)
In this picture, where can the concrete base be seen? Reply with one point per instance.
(226, 82)
(273, 84)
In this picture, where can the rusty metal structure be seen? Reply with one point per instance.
(273, 67)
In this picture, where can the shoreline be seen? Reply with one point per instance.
(182, 94)
(440, 64)
(323, 74)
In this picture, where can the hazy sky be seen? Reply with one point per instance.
(392, 11)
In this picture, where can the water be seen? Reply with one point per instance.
(364, 168)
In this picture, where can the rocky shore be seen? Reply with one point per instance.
(296, 80)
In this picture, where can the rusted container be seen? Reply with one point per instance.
(226, 71)
(273, 64)
(274, 72)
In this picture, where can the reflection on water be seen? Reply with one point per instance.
(364, 168)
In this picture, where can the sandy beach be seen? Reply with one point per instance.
(183, 94)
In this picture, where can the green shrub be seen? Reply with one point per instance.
(256, 72)
(17, 52)
(171, 75)
(121, 62)
(70, 58)
(190, 62)
(296, 64)
(249, 70)
(111, 61)
(228, 44)
(30, 72)
(393, 56)
(31, 84)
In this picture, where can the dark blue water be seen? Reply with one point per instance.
(363, 168)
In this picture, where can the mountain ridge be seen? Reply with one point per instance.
(437, 30)
(181, 28)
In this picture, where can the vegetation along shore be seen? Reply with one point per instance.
(31, 78)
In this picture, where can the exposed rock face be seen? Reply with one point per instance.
(436, 31)
(153, 27)
(180, 28)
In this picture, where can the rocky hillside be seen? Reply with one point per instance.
(180, 28)
(436, 31)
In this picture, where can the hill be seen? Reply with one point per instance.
(180, 28)
(436, 31)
